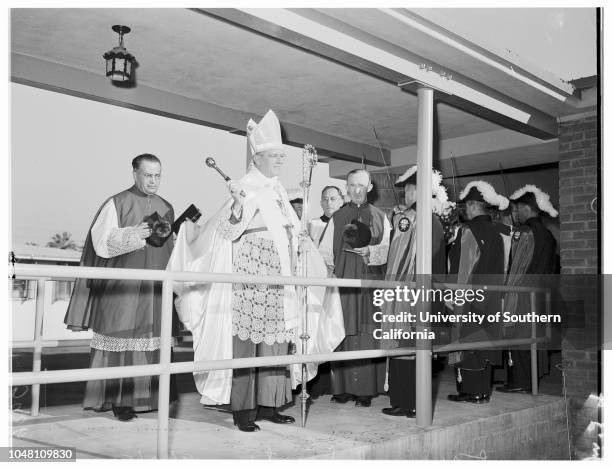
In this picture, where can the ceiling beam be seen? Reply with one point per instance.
(342, 43)
(497, 63)
(55, 77)
(473, 154)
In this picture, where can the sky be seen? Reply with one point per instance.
(68, 155)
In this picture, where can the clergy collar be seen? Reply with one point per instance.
(136, 191)
(351, 202)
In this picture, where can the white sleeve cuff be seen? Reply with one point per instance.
(123, 240)
(109, 240)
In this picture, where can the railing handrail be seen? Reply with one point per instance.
(34, 270)
(165, 367)
(59, 343)
(69, 272)
(77, 375)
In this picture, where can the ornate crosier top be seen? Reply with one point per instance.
(309, 160)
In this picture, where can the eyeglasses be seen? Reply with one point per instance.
(277, 155)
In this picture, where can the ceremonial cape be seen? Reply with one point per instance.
(533, 259)
(401, 266)
(119, 308)
(477, 258)
(401, 263)
(206, 309)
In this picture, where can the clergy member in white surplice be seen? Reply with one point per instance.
(131, 230)
(321, 229)
(254, 233)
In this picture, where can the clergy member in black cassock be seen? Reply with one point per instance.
(401, 266)
(477, 257)
(361, 244)
(125, 316)
(532, 259)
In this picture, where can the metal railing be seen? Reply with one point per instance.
(165, 368)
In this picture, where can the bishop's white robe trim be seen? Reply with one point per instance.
(206, 309)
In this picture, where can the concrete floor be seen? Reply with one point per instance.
(197, 432)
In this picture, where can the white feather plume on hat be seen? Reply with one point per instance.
(488, 193)
(406, 175)
(440, 204)
(542, 198)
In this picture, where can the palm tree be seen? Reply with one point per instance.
(62, 241)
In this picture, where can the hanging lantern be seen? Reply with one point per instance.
(119, 63)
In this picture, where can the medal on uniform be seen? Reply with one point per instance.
(403, 224)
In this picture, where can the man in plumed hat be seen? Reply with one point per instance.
(254, 233)
(361, 244)
(477, 257)
(532, 258)
(401, 266)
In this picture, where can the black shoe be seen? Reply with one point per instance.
(397, 411)
(479, 398)
(342, 398)
(249, 426)
(462, 397)
(364, 401)
(124, 413)
(278, 418)
(512, 389)
(103, 409)
(394, 411)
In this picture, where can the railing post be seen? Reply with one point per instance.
(423, 353)
(163, 403)
(37, 355)
(548, 312)
(534, 348)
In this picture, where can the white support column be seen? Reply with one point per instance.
(424, 408)
(164, 378)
